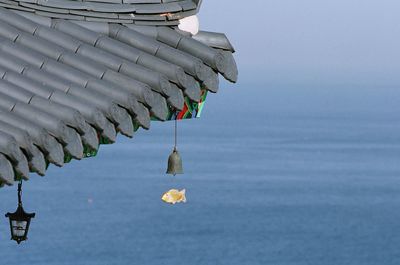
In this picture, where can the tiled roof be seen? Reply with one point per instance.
(155, 12)
(67, 86)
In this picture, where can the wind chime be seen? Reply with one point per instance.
(174, 196)
(174, 160)
(19, 220)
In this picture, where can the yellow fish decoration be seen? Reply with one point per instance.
(174, 196)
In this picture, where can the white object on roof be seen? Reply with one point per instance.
(190, 24)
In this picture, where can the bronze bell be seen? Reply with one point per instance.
(174, 163)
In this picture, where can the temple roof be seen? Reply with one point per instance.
(141, 12)
(68, 85)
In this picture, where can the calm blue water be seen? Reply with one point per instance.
(284, 177)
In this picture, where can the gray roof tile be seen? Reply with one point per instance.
(112, 11)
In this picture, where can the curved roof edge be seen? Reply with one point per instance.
(68, 86)
(140, 12)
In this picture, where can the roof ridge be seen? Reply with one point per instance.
(141, 12)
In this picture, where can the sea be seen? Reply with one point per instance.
(273, 175)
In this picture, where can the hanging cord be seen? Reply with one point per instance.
(19, 193)
(176, 133)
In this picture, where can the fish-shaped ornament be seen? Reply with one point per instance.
(174, 196)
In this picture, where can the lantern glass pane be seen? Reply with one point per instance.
(19, 228)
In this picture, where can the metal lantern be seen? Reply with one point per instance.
(174, 159)
(20, 220)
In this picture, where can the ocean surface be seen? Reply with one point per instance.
(280, 177)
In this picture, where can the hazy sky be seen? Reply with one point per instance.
(311, 42)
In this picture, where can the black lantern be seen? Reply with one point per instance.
(20, 220)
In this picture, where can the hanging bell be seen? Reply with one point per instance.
(174, 163)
